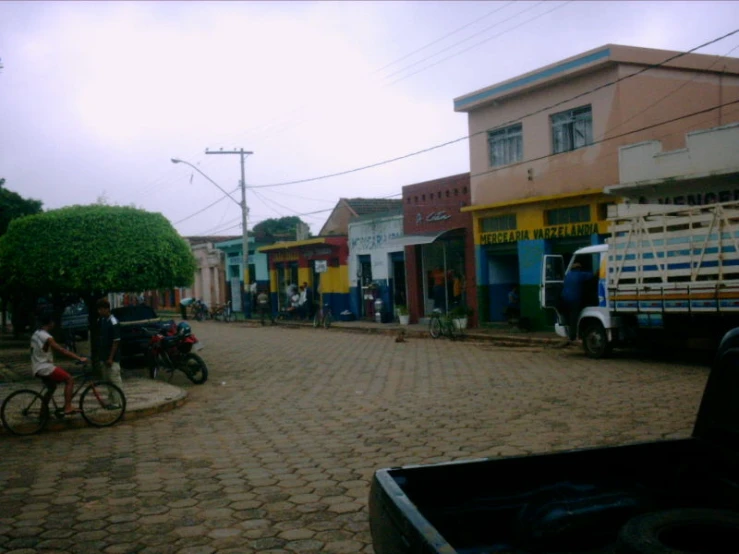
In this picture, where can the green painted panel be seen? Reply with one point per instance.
(483, 304)
(541, 319)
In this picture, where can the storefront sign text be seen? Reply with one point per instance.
(433, 216)
(312, 252)
(693, 199)
(562, 231)
(556, 232)
(283, 256)
(370, 242)
(501, 237)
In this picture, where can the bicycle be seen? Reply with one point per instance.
(444, 324)
(199, 311)
(222, 312)
(323, 317)
(26, 411)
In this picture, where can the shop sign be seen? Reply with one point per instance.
(555, 232)
(370, 242)
(433, 216)
(693, 198)
(284, 256)
(321, 266)
(313, 252)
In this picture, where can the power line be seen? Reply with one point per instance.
(167, 179)
(221, 199)
(454, 32)
(467, 137)
(606, 139)
(680, 87)
(493, 170)
(514, 16)
(482, 42)
(291, 122)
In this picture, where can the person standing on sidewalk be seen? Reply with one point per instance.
(309, 300)
(264, 307)
(109, 342)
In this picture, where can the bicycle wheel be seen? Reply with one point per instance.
(24, 413)
(453, 330)
(194, 367)
(102, 404)
(435, 327)
(327, 320)
(317, 319)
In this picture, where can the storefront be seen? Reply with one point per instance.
(511, 239)
(376, 268)
(321, 262)
(438, 243)
(234, 269)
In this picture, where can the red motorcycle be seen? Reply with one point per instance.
(170, 350)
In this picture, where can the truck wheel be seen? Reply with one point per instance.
(680, 531)
(595, 341)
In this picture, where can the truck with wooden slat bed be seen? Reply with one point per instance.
(666, 274)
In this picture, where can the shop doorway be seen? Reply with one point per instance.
(503, 275)
(287, 274)
(443, 264)
(364, 287)
(397, 281)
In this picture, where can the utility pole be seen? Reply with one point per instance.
(245, 230)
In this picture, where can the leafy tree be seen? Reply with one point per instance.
(283, 228)
(89, 251)
(13, 205)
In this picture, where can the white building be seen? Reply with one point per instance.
(376, 268)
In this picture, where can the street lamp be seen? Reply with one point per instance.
(244, 211)
(178, 161)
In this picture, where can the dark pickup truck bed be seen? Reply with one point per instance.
(652, 498)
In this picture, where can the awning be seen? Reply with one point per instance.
(421, 238)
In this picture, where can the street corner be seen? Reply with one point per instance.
(145, 397)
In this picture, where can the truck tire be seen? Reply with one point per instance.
(595, 340)
(680, 531)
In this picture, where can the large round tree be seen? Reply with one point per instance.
(90, 251)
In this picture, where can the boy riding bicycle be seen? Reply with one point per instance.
(42, 360)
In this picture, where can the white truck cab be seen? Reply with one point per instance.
(595, 323)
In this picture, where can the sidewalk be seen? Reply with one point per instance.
(144, 397)
(503, 335)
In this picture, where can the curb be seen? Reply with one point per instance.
(130, 415)
(512, 341)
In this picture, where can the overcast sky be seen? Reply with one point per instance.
(96, 98)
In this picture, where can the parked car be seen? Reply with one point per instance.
(75, 319)
(137, 324)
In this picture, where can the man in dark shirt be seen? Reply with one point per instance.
(109, 341)
(309, 301)
(572, 296)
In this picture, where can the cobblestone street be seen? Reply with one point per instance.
(275, 452)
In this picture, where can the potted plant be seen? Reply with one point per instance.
(460, 315)
(403, 316)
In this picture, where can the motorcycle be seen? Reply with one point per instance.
(169, 349)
